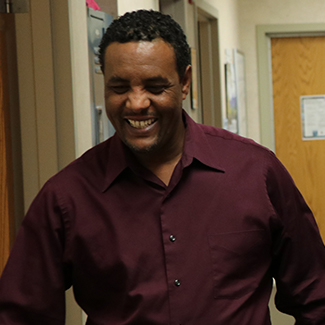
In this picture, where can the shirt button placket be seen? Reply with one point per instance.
(177, 282)
(171, 252)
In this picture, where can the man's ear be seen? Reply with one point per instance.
(186, 81)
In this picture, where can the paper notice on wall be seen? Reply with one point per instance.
(313, 117)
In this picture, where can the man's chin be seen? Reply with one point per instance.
(142, 149)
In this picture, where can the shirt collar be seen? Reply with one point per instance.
(117, 160)
(196, 146)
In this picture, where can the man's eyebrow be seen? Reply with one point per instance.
(117, 79)
(157, 79)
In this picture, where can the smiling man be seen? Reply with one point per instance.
(169, 221)
(144, 95)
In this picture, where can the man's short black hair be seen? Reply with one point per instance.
(146, 25)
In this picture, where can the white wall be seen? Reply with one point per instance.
(263, 12)
(228, 23)
(80, 76)
(127, 5)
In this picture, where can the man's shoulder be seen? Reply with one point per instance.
(226, 139)
(89, 167)
(236, 154)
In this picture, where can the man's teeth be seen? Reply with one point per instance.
(141, 124)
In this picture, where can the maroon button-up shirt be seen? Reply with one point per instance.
(200, 251)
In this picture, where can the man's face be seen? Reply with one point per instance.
(144, 95)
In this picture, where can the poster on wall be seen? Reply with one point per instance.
(313, 117)
(236, 116)
(231, 122)
(239, 66)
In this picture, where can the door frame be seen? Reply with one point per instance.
(264, 33)
(7, 113)
(209, 63)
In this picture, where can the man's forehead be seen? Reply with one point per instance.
(140, 55)
(141, 45)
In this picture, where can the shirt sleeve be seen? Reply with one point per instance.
(33, 283)
(298, 251)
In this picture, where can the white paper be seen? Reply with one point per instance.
(313, 117)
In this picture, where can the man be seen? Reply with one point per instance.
(169, 221)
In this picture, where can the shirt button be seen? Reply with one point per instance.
(177, 283)
(172, 238)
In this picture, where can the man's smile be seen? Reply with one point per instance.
(142, 124)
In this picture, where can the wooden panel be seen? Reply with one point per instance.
(298, 68)
(6, 207)
(205, 66)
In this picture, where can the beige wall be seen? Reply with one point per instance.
(127, 5)
(228, 24)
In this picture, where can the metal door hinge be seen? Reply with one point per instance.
(14, 6)
(6, 6)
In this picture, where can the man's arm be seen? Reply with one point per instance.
(298, 251)
(32, 289)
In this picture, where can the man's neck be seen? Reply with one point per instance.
(163, 170)
(162, 164)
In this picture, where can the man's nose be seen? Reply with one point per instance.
(137, 99)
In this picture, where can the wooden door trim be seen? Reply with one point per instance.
(211, 98)
(209, 69)
(264, 33)
(7, 221)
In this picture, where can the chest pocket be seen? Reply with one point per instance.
(239, 261)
